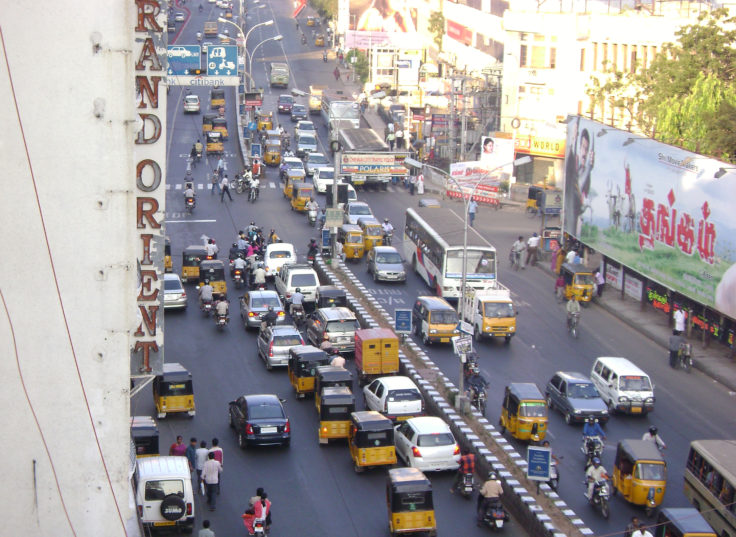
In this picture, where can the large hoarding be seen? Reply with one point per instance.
(665, 212)
(381, 23)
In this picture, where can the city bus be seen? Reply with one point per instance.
(433, 244)
(710, 479)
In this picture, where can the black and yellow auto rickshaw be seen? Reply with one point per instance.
(289, 184)
(524, 412)
(219, 124)
(272, 152)
(409, 502)
(329, 296)
(640, 473)
(534, 200)
(207, 122)
(578, 282)
(214, 271)
(335, 404)
(311, 20)
(682, 522)
(168, 263)
(214, 145)
(301, 193)
(144, 433)
(173, 391)
(319, 40)
(217, 97)
(302, 366)
(265, 121)
(371, 440)
(372, 233)
(351, 237)
(229, 13)
(330, 376)
(191, 257)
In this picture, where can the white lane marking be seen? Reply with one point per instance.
(177, 186)
(271, 185)
(200, 186)
(481, 237)
(176, 215)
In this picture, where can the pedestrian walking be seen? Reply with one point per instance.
(225, 186)
(399, 138)
(336, 72)
(412, 184)
(679, 318)
(221, 167)
(391, 139)
(211, 479)
(420, 184)
(206, 531)
(600, 281)
(631, 526)
(532, 245)
(219, 457)
(472, 208)
(200, 459)
(178, 448)
(215, 181)
(191, 454)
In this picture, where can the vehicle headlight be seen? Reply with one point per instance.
(577, 411)
(456, 331)
(402, 274)
(433, 331)
(623, 399)
(649, 400)
(512, 328)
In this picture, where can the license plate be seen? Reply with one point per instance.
(164, 523)
(444, 340)
(635, 410)
(402, 418)
(267, 430)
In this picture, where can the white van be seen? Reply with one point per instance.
(164, 493)
(622, 385)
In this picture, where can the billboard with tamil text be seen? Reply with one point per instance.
(664, 212)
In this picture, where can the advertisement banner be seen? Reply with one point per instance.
(664, 212)
(373, 164)
(373, 24)
(496, 152)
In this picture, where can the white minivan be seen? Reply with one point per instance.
(164, 493)
(622, 385)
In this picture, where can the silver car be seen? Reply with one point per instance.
(305, 144)
(274, 343)
(254, 305)
(314, 161)
(386, 264)
(175, 297)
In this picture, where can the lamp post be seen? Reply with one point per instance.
(251, 54)
(244, 37)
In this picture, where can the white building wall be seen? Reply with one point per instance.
(68, 276)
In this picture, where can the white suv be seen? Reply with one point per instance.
(301, 276)
(277, 255)
(397, 398)
(164, 493)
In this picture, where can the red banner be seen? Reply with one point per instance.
(299, 5)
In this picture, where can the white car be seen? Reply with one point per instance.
(191, 104)
(323, 178)
(397, 397)
(315, 160)
(205, 45)
(179, 17)
(178, 52)
(427, 443)
(304, 127)
(175, 297)
(278, 255)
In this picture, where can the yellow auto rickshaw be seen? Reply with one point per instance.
(168, 263)
(372, 232)
(682, 522)
(190, 260)
(289, 183)
(409, 502)
(311, 20)
(534, 200)
(371, 440)
(272, 152)
(301, 193)
(303, 363)
(219, 124)
(217, 97)
(330, 376)
(214, 271)
(351, 237)
(524, 412)
(265, 120)
(144, 433)
(173, 391)
(640, 473)
(578, 282)
(229, 13)
(319, 40)
(214, 143)
(207, 122)
(334, 406)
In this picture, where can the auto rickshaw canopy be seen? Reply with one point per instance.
(174, 380)
(337, 396)
(212, 270)
(330, 376)
(220, 122)
(144, 432)
(352, 233)
(207, 121)
(371, 227)
(304, 359)
(527, 397)
(687, 520)
(331, 296)
(193, 255)
(578, 272)
(372, 429)
(635, 451)
(408, 490)
(302, 191)
(217, 93)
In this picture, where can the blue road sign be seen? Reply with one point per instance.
(539, 460)
(255, 150)
(326, 243)
(402, 321)
(222, 60)
(183, 59)
(252, 126)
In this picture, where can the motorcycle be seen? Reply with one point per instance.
(592, 447)
(312, 217)
(465, 486)
(387, 238)
(304, 39)
(238, 277)
(253, 194)
(201, 8)
(684, 357)
(324, 57)
(478, 398)
(206, 308)
(259, 527)
(239, 184)
(495, 515)
(470, 367)
(189, 204)
(600, 497)
(221, 321)
(199, 36)
(572, 324)
(297, 313)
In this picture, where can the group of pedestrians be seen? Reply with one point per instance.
(530, 246)
(207, 462)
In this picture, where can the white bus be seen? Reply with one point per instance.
(433, 244)
(710, 480)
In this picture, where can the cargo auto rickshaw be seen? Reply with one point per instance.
(207, 122)
(302, 366)
(173, 391)
(351, 237)
(265, 121)
(168, 264)
(301, 193)
(682, 522)
(272, 152)
(144, 433)
(214, 271)
(524, 412)
(640, 473)
(371, 440)
(372, 233)
(376, 353)
(578, 282)
(409, 502)
(214, 143)
(328, 296)
(219, 124)
(190, 260)
(217, 97)
(334, 406)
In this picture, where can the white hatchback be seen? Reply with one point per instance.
(277, 255)
(323, 178)
(191, 104)
(427, 443)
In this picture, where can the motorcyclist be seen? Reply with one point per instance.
(234, 251)
(467, 466)
(595, 472)
(211, 247)
(270, 318)
(200, 9)
(252, 229)
(259, 276)
(239, 263)
(388, 229)
(572, 308)
(593, 428)
(242, 244)
(652, 436)
(255, 185)
(205, 293)
(297, 299)
(312, 248)
(312, 205)
(198, 148)
(189, 192)
(273, 237)
(489, 494)
(222, 306)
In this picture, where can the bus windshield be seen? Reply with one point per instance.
(481, 264)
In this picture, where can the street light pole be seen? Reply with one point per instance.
(244, 37)
(251, 54)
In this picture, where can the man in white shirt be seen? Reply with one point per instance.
(571, 255)
(679, 318)
(211, 248)
(517, 250)
(531, 249)
(211, 478)
(641, 531)
(594, 473)
(200, 458)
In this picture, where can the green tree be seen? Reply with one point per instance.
(326, 8)
(360, 65)
(437, 28)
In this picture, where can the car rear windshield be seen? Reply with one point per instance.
(265, 301)
(257, 412)
(404, 395)
(317, 159)
(303, 280)
(307, 140)
(443, 317)
(287, 341)
(280, 254)
(435, 439)
(389, 258)
(348, 325)
(326, 174)
(158, 490)
(359, 209)
(172, 285)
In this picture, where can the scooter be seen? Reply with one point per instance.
(592, 447)
(312, 216)
(206, 308)
(297, 313)
(495, 515)
(189, 204)
(600, 497)
(238, 277)
(259, 527)
(221, 321)
(465, 486)
(572, 324)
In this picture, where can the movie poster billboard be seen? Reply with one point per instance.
(497, 152)
(665, 212)
(381, 23)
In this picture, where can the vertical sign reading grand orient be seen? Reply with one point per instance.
(665, 212)
(149, 157)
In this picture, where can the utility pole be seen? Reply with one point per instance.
(452, 153)
(463, 121)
